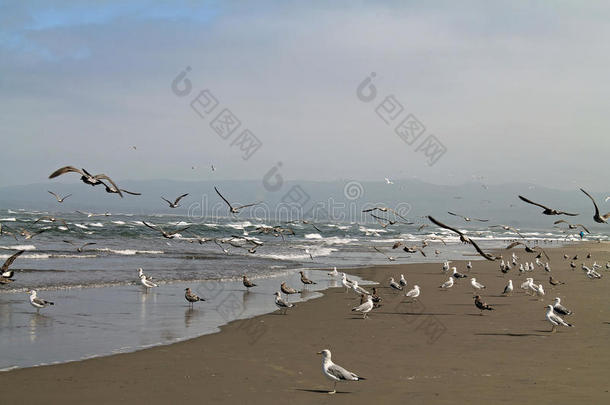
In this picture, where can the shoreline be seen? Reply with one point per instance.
(263, 358)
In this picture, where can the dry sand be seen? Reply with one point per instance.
(439, 350)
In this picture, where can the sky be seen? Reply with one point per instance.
(511, 91)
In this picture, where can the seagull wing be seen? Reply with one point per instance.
(179, 198)
(512, 245)
(167, 201)
(130, 192)
(485, 255)
(103, 176)
(55, 195)
(454, 214)
(533, 203)
(224, 199)
(151, 226)
(444, 226)
(481, 220)
(342, 374)
(10, 261)
(583, 227)
(247, 205)
(64, 170)
(560, 221)
(179, 230)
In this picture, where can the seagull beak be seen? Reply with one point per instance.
(319, 353)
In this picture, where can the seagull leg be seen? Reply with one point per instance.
(334, 391)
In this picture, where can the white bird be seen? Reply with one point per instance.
(414, 293)
(596, 266)
(475, 284)
(555, 319)
(388, 181)
(395, 285)
(335, 372)
(607, 265)
(346, 283)
(281, 303)
(560, 309)
(538, 262)
(547, 267)
(38, 302)
(334, 273)
(538, 289)
(402, 281)
(469, 265)
(147, 283)
(521, 269)
(531, 266)
(366, 307)
(359, 290)
(515, 257)
(509, 288)
(447, 284)
(446, 265)
(455, 274)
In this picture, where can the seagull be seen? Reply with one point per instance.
(176, 201)
(29, 235)
(414, 293)
(555, 319)
(390, 258)
(509, 288)
(388, 181)
(305, 280)
(167, 235)
(52, 219)
(79, 249)
(402, 281)
(464, 239)
(191, 297)
(385, 209)
(552, 281)
(346, 283)
(571, 226)
(366, 307)
(38, 302)
(483, 306)
(334, 273)
(7, 274)
(601, 219)
(547, 210)
(457, 275)
(466, 218)
(247, 283)
(147, 283)
(508, 228)
(234, 210)
(528, 249)
(86, 177)
(446, 265)
(281, 303)
(447, 284)
(376, 298)
(335, 372)
(475, 284)
(560, 309)
(469, 266)
(288, 290)
(113, 190)
(414, 249)
(395, 285)
(359, 290)
(58, 198)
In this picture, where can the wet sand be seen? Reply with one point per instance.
(437, 350)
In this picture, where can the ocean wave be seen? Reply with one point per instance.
(118, 222)
(19, 247)
(96, 224)
(335, 240)
(313, 236)
(82, 226)
(12, 219)
(129, 252)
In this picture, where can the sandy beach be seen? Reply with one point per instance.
(437, 350)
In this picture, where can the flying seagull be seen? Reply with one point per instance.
(571, 226)
(29, 235)
(191, 297)
(464, 239)
(335, 372)
(528, 249)
(232, 209)
(7, 274)
(508, 228)
(113, 190)
(547, 210)
(86, 177)
(79, 249)
(601, 219)
(167, 235)
(52, 219)
(390, 258)
(38, 302)
(467, 219)
(175, 203)
(58, 198)
(385, 209)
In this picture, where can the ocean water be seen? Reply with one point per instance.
(102, 309)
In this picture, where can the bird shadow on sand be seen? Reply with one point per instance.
(413, 313)
(512, 334)
(321, 391)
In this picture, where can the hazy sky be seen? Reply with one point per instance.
(515, 91)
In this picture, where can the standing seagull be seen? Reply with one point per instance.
(447, 284)
(601, 219)
(305, 280)
(365, 307)
(232, 209)
(475, 284)
(414, 293)
(288, 290)
(547, 210)
(509, 288)
(38, 302)
(483, 306)
(147, 283)
(191, 297)
(247, 283)
(7, 274)
(560, 309)
(555, 319)
(395, 285)
(175, 203)
(402, 281)
(58, 198)
(281, 303)
(335, 372)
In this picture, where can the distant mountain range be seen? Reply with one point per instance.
(341, 201)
